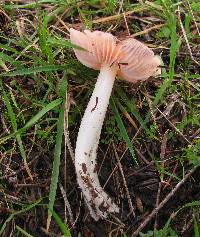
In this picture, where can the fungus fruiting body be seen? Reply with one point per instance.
(129, 59)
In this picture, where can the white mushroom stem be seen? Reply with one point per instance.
(98, 201)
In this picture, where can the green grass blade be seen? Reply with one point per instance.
(174, 46)
(192, 204)
(7, 48)
(33, 120)
(55, 13)
(23, 231)
(132, 108)
(10, 111)
(63, 43)
(7, 58)
(40, 114)
(196, 228)
(31, 70)
(65, 230)
(43, 33)
(123, 129)
(56, 164)
(15, 213)
(13, 121)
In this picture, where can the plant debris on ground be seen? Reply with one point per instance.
(149, 153)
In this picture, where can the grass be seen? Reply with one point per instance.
(154, 124)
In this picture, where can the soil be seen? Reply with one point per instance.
(147, 185)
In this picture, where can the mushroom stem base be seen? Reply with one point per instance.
(99, 203)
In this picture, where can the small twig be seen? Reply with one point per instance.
(18, 171)
(174, 127)
(188, 223)
(196, 24)
(143, 32)
(31, 185)
(63, 23)
(67, 205)
(186, 39)
(157, 203)
(26, 49)
(113, 170)
(67, 145)
(125, 184)
(163, 145)
(126, 24)
(115, 17)
(66, 131)
(79, 211)
(104, 157)
(142, 157)
(165, 200)
(170, 178)
(120, 6)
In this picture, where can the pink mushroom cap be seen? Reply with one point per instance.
(135, 61)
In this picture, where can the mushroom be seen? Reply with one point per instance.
(129, 59)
